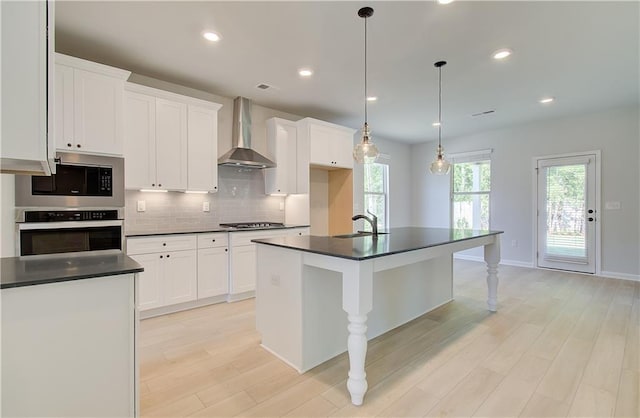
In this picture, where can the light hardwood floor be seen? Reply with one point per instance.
(561, 344)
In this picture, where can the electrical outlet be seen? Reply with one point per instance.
(206, 207)
(141, 206)
(612, 205)
(275, 280)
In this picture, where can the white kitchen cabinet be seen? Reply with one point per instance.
(242, 259)
(202, 141)
(213, 265)
(170, 269)
(291, 175)
(27, 87)
(170, 141)
(171, 145)
(89, 106)
(329, 145)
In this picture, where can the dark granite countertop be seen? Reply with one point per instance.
(396, 240)
(201, 230)
(30, 271)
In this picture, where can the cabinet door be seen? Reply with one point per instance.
(179, 277)
(341, 150)
(243, 268)
(319, 138)
(213, 272)
(140, 141)
(202, 149)
(281, 146)
(64, 108)
(171, 145)
(97, 113)
(150, 289)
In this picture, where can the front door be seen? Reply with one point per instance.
(567, 217)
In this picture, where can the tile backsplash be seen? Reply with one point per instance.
(240, 197)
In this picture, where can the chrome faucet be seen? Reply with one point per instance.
(373, 221)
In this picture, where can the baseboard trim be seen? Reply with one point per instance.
(163, 310)
(622, 276)
(513, 263)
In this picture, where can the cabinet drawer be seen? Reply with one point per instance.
(219, 239)
(244, 238)
(160, 243)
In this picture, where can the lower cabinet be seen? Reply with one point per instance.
(170, 269)
(213, 265)
(242, 276)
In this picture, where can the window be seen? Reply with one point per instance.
(470, 190)
(376, 192)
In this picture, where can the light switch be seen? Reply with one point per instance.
(612, 205)
(205, 206)
(141, 205)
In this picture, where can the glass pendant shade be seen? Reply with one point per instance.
(440, 166)
(366, 151)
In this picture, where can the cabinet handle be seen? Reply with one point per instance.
(78, 145)
(168, 255)
(68, 144)
(159, 185)
(226, 249)
(164, 244)
(215, 187)
(213, 240)
(161, 256)
(153, 184)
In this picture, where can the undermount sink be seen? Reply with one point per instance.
(358, 234)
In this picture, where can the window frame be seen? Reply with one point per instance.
(385, 193)
(464, 158)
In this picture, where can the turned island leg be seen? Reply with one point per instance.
(492, 258)
(357, 300)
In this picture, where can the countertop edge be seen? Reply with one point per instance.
(209, 231)
(69, 278)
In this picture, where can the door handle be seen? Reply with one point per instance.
(591, 219)
(590, 211)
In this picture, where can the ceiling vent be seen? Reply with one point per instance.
(263, 86)
(486, 112)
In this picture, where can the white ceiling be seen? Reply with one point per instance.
(586, 54)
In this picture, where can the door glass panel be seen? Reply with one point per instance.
(565, 210)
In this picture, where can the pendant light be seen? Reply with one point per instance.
(440, 166)
(365, 151)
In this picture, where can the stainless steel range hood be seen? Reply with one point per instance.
(241, 155)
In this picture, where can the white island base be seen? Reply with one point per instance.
(302, 298)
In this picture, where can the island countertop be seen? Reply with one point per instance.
(393, 241)
(30, 271)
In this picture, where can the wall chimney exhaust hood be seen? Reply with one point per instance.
(241, 154)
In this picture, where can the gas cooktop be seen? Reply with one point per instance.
(253, 225)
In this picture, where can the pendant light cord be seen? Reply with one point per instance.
(439, 107)
(365, 70)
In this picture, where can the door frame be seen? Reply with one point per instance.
(598, 209)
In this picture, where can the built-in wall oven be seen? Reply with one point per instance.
(69, 231)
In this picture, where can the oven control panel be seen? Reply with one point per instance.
(70, 215)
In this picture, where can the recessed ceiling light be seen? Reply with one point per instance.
(545, 100)
(372, 98)
(502, 54)
(435, 124)
(305, 72)
(444, 1)
(211, 36)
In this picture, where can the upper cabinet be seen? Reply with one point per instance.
(27, 87)
(291, 176)
(202, 139)
(330, 145)
(171, 141)
(88, 106)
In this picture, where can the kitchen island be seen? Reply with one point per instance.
(306, 283)
(68, 335)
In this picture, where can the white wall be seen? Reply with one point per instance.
(615, 132)
(400, 193)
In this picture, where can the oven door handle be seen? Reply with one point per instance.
(67, 224)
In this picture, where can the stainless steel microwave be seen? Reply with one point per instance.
(81, 181)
